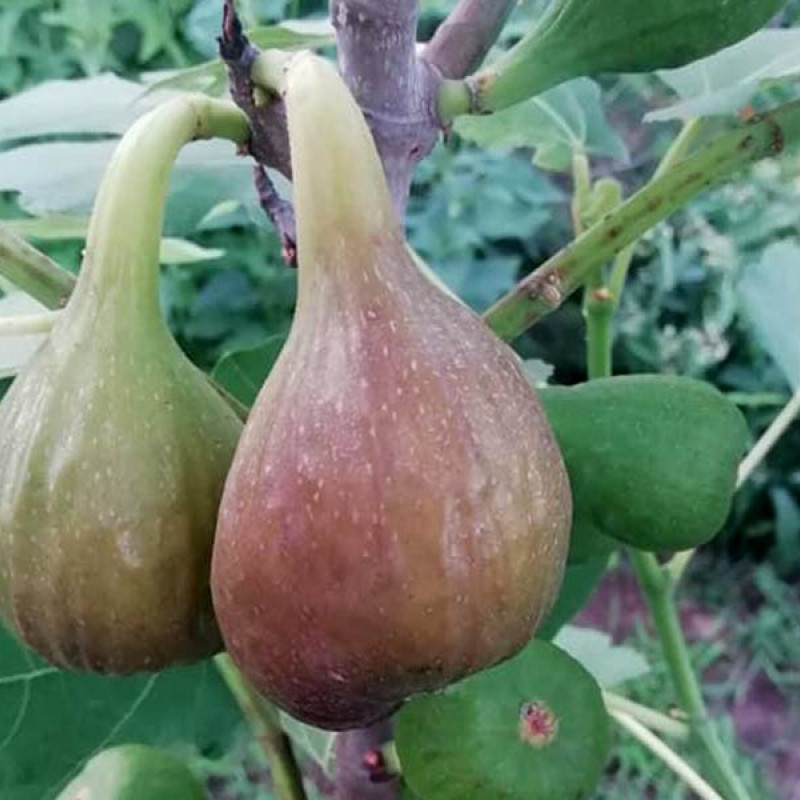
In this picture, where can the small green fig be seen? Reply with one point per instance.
(588, 37)
(652, 460)
(134, 772)
(397, 514)
(115, 448)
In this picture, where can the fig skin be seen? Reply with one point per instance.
(114, 451)
(397, 514)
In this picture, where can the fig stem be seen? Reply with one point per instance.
(32, 271)
(545, 289)
(124, 236)
(264, 723)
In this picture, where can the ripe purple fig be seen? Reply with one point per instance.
(397, 515)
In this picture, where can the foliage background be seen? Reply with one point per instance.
(482, 219)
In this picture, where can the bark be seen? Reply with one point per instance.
(463, 40)
(396, 90)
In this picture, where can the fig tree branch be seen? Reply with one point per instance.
(33, 271)
(545, 289)
(397, 90)
(362, 772)
(269, 140)
(462, 41)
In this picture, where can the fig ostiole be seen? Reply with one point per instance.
(114, 446)
(397, 514)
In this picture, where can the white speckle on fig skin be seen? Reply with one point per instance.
(108, 493)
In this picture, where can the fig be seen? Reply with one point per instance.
(397, 514)
(134, 772)
(588, 37)
(652, 460)
(115, 447)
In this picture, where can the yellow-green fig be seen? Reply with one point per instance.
(114, 446)
(397, 514)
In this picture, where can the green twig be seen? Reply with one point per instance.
(657, 581)
(265, 724)
(650, 717)
(677, 764)
(658, 588)
(681, 145)
(598, 310)
(33, 272)
(769, 439)
(545, 289)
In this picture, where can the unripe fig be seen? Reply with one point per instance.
(589, 37)
(134, 772)
(115, 448)
(397, 513)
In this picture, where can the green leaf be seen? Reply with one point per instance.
(135, 772)
(610, 664)
(62, 178)
(211, 77)
(52, 721)
(770, 295)
(558, 124)
(537, 372)
(61, 227)
(535, 726)
(105, 104)
(317, 744)
(182, 251)
(728, 80)
(243, 372)
(16, 351)
(590, 37)
(299, 34)
(580, 581)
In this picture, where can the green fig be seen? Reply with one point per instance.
(588, 37)
(114, 446)
(397, 514)
(652, 460)
(134, 772)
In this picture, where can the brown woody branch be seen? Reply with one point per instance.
(466, 36)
